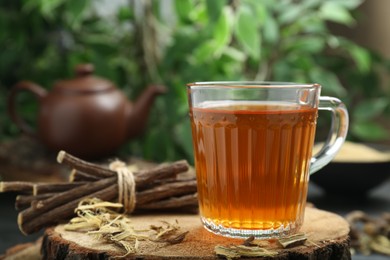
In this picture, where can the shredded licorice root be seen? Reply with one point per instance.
(293, 240)
(253, 248)
(97, 218)
(369, 234)
(237, 251)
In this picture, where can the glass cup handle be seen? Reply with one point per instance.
(337, 134)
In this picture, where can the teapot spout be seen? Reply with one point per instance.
(138, 113)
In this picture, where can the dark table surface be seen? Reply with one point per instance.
(374, 203)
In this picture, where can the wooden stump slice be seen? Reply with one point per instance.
(327, 235)
(28, 251)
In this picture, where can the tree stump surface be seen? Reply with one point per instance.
(30, 251)
(327, 235)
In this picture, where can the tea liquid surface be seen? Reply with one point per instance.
(252, 163)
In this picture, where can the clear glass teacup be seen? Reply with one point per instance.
(253, 153)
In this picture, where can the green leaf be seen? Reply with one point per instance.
(198, 14)
(234, 53)
(75, 9)
(328, 80)
(369, 109)
(308, 23)
(292, 13)
(261, 11)
(247, 32)
(266, 3)
(282, 6)
(312, 24)
(369, 131)
(333, 41)
(361, 57)
(350, 4)
(183, 8)
(223, 29)
(205, 51)
(303, 62)
(310, 4)
(270, 30)
(306, 44)
(214, 9)
(48, 7)
(335, 12)
(125, 13)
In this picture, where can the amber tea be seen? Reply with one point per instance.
(252, 161)
(253, 146)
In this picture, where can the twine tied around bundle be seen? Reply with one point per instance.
(126, 185)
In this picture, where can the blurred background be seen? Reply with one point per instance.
(343, 45)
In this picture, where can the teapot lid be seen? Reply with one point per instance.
(84, 82)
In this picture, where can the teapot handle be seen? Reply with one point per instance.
(38, 92)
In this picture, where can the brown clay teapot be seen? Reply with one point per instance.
(87, 116)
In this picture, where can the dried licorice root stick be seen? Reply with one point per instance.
(165, 191)
(76, 176)
(24, 201)
(17, 186)
(146, 177)
(45, 204)
(83, 166)
(85, 170)
(62, 212)
(41, 206)
(37, 188)
(184, 202)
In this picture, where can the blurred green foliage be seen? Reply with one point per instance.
(173, 42)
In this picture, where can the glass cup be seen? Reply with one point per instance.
(253, 153)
